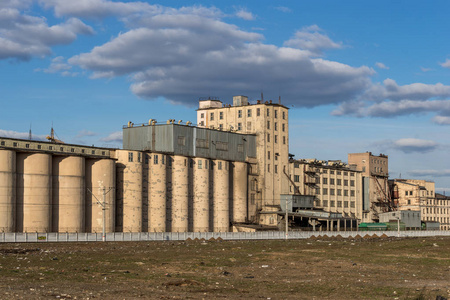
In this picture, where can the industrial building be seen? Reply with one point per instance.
(231, 172)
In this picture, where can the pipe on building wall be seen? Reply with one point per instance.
(100, 180)
(201, 195)
(34, 192)
(180, 190)
(7, 190)
(157, 192)
(221, 206)
(69, 192)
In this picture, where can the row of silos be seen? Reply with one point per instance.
(41, 192)
(182, 194)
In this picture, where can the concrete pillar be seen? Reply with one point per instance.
(7, 190)
(69, 192)
(240, 192)
(221, 196)
(129, 168)
(100, 176)
(180, 204)
(157, 193)
(34, 192)
(201, 195)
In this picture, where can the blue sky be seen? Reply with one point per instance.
(358, 76)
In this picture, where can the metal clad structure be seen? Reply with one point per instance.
(7, 190)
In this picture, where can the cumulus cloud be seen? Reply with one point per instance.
(441, 120)
(245, 14)
(84, 133)
(432, 173)
(312, 38)
(20, 135)
(446, 64)
(24, 36)
(381, 66)
(58, 65)
(410, 145)
(115, 137)
(283, 9)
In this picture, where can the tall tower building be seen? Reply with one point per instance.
(269, 121)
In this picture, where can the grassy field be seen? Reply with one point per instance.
(366, 268)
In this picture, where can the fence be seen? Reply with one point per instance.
(182, 236)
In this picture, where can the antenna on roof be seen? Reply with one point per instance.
(30, 136)
(262, 96)
(279, 99)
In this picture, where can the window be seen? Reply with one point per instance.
(325, 181)
(221, 115)
(325, 203)
(219, 165)
(345, 192)
(325, 191)
(39, 147)
(103, 152)
(352, 204)
(284, 115)
(258, 112)
(331, 171)
(155, 159)
(275, 113)
(332, 192)
(268, 112)
(339, 182)
(50, 148)
(406, 193)
(352, 183)
(276, 169)
(240, 113)
(275, 139)
(296, 178)
(345, 173)
(221, 126)
(3, 143)
(284, 140)
(202, 115)
(268, 168)
(15, 144)
(139, 157)
(283, 127)
(296, 165)
(339, 172)
(62, 149)
(181, 141)
(352, 174)
(199, 163)
(339, 192)
(268, 124)
(239, 126)
(332, 181)
(345, 182)
(410, 193)
(275, 126)
(212, 116)
(27, 145)
(240, 148)
(146, 159)
(268, 137)
(409, 202)
(249, 113)
(317, 203)
(352, 193)
(339, 204)
(317, 191)
(332, 203)
(317, 179)
(163, 158)
(268, 154)
(345, 204)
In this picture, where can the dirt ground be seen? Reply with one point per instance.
(326, 268)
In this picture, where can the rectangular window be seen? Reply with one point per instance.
(283, 127)
(324, 191)
(268, 154)
(352, 174)
(219, 165)
(275, 126)
(3, 143)
(240, 113)
(275, 113)
(249, 113)
(239, 126)
(221, 126)
(199, 163)
(332, 203)
(339, 182)
(130, 156)
(339, 172)
(296, 165)
(93, 151)
(352, 183)
(240, 148)
(50, 148)
(325, 181)
(40, 147)
(202, 115)
(155, 159)
(212, 117)
(103, 152)
(268, 112)
(345, 192)
(317, 191)
(61, 148)
(345, 182)
(352, 193)
(15, 144)
(325, 203)
(345, 173)
(27, 145)
(221, 115)
(332, 181)
(331, 171)
(345, 204)
(339, 192)
(163, 158)
(296, 178)
(223, 146)
(139, 157)
(317, 179)
(268, 137)
(276, 169)
(268, 168)
(284, 115)
(275, 139)
(339, 204)
(146, 159)
(284, 140)
(332, 192)
(258, 112)
(406, 193)
(268, 124)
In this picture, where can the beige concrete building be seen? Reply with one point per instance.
(376, 195)
(269, 171)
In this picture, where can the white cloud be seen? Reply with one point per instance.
(20, 135)
(245, 14)
(426, 69)
(432, 173)
(381, 66)
(313, 39)
(409, 145)
(446, 64)
(283, 9)
(441, 120)
(24, 36)
(84, 133)
(115, 137)
(58, 65)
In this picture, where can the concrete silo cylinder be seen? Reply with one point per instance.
(7, 190)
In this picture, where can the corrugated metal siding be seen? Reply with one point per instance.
(190, 141)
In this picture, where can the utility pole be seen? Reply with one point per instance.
(103, 205)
